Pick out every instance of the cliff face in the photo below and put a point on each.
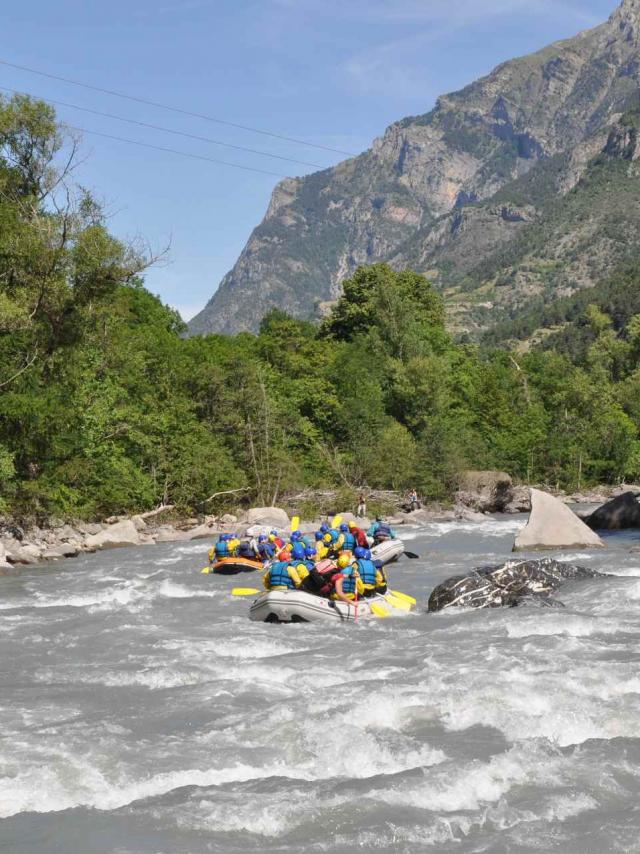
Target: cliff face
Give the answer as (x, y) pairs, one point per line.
(448, 191)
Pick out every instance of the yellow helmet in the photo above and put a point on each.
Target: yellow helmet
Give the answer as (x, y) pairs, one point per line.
(344, 561)
(272, 538)
(326, 538)
(352, 524)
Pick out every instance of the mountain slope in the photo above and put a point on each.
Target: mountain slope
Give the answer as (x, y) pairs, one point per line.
(444, 190)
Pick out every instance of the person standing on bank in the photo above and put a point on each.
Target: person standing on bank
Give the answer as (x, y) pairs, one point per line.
(362, 506)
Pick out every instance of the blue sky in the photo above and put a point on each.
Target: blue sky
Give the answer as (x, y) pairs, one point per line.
(333, 72)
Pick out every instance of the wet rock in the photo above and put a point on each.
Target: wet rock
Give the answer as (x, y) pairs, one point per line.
(168, 534)
(199, 532)
(485, 491)
(618, 514)
(4, 563)
(139, 523)
(552, 525)
(520, 500)
(228, 519)
(508, 584)
(120, 534)
(89, 529)
(26, 553)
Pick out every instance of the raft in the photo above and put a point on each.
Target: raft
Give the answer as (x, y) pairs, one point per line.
(235, 565)
(297, 606)
(387, 551)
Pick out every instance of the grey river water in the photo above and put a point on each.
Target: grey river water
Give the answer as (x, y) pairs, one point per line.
(142, 713)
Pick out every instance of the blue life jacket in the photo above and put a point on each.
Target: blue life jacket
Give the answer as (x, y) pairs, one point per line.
(266, 550)
(383, 532)
(279, 575)
(222, 549)
(246, 550)
(367, 570)
(309, 540)
(335, 533)
(349, 581)
(349, 542)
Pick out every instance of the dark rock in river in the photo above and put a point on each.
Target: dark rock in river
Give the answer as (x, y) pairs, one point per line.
(507, 584)
(617, 514)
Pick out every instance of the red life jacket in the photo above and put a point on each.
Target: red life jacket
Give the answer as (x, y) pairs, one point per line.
(321, 579)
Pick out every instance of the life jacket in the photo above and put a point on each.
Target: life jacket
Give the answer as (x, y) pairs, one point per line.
(279, 575)
(266, 551)
(361, 538)
(321, 577)
(335, 533)
(245, 549)
(222, 549)
(349, 583)
(383, 532)
(349, 543)
(368, 572)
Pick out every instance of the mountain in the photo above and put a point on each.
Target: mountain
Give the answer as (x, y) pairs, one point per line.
(492, 193)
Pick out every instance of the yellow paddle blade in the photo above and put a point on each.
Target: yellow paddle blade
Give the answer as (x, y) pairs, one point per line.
(295, 523)
(244, 591)
(379, 610)
(397, 603)
(206, 570)
(404, 596)
(336, 521)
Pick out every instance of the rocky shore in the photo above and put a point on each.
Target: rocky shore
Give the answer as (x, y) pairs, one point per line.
(479, 494)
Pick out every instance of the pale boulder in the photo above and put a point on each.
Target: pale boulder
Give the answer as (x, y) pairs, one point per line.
(4, 563)
(139, 523)
(273, 517)
(552, 525)
(121, 534)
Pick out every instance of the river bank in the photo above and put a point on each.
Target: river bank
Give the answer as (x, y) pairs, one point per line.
(484, 493)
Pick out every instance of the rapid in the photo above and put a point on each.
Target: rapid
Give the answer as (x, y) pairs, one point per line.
(141, 712)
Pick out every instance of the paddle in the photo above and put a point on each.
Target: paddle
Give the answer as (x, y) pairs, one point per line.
(397, 602)
(295, 523)
(379, 610)
(412, 555)
(245, 591)
(336, 521)
(206, 570)
(404, 596)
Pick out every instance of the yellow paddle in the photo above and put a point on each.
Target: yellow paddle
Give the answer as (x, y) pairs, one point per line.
(396, 602)
(379, 610)
(206, 570)
(295, 523)
(336, 521)
(404, 596)
(245, 591)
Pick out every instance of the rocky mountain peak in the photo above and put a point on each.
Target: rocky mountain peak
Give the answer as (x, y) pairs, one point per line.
(626, 18)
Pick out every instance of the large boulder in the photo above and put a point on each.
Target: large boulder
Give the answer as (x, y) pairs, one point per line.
(121, 534)
(617, 514)
(4, 563)
(485, 491)
(21, 552)
(552, 525)
(273, 517)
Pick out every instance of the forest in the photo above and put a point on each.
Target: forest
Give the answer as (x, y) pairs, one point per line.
(107, 407)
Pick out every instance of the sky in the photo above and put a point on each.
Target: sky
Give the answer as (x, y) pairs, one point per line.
(333, 73)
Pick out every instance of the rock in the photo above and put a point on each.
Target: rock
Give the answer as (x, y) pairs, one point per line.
(24, 553)
(199, 532)
(485, 491)
(168, 534)
(619, 513)
(54, 554)
(228, 519)
(520, 500)
(552, 525)
(120, 534)
(90, 528)
(273, 517)
(138, 523)
(4, 563)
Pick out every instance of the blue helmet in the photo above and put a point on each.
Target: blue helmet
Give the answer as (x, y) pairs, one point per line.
(319, 535)
(295, 536)
(360, 553)
(324, 528)
(368, 555)
(309, 552)
(298, 552)
(344, 527)
(263, 538)
(274, 531)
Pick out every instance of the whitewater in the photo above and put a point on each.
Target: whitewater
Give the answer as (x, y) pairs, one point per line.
(141, 712)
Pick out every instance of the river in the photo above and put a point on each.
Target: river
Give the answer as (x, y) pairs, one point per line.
(141, 712)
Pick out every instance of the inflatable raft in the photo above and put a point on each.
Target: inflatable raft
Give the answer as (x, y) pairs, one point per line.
(235, 565)
(387, 551)
(297, 606)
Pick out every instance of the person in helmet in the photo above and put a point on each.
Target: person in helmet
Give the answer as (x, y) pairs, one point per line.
(221, 549)
(321, 577)
(282, 575)
(234, 542)
(374, 580)
(348, 539)
(275, 538)
(295, 537)
(320, 546)
(347, 584)
(266, 550)
(381, 531)
(248, 549)
(359, 534)
(298, 551)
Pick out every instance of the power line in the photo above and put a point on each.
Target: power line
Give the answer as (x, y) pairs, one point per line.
(173, 109)
(175, 151)
(166, 130)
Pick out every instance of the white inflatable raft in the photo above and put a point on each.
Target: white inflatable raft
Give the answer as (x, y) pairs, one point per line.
(387, 551)
(296, 606)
